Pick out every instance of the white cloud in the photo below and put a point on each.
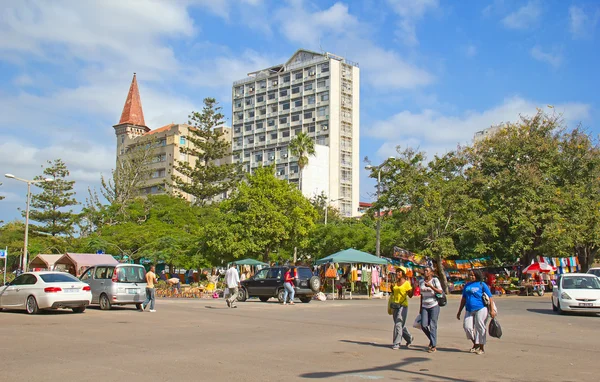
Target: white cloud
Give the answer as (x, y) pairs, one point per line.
(525, 17)
(471, 51)
(582, 23)
(554, 58)
(23, 80)
(410, 12)
(434, 132)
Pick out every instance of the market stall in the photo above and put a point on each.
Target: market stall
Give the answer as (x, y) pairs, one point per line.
(76, 263)
(43, 262)
(353, 270)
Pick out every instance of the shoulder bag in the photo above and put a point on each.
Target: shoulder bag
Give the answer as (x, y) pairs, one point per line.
(484, 296)
(440, 297)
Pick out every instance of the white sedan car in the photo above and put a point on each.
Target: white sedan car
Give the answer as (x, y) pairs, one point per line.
(576, 292)
(34, 291)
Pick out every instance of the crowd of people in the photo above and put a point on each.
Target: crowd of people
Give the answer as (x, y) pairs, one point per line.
(476, 301)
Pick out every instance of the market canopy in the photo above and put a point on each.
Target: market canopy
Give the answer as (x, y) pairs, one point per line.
(44, 261)
(76, 263)
(352, 256)
(249, 262)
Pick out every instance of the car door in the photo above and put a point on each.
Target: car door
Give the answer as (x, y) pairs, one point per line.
(88, 277)
(27, 288)
(99, 281)
(256, 285)
(9, 295)
(274, 281)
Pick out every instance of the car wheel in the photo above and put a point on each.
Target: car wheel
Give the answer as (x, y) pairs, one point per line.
(104, 302)
(79, 309)
(264, 299)
(558, 309)
(280, 295)
(305, 300)
(554, 308)
(315, 284)
(242, 295)
(31, 305)
(540, 292)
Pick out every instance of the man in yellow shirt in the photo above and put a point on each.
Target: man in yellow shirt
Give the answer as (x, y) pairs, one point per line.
(398, 308)
(150, 292)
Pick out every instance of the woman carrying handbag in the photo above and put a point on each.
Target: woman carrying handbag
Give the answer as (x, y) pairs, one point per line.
(430, 308)
(398, 308)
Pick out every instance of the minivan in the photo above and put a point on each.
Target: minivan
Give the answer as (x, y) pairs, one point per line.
(121, 284)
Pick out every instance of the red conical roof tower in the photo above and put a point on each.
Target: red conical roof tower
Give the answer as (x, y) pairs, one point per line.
(132, 111)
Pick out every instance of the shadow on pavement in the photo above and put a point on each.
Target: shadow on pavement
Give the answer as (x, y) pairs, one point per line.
(397, 367)
(413, 347)
(543, 311)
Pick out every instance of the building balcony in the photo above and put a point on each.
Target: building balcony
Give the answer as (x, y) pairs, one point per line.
(294, 175)
(259, 104)
(249, 119)
(299, 81)
(322, 118)
(284, 98)
(238, 95)
(322, 103)
(270, 101)
(309, 92)
(261, 90)
(296, 123)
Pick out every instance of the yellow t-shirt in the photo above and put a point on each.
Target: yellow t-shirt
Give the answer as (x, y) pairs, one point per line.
(400, 294)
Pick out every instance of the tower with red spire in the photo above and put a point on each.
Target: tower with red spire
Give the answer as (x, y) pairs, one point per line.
(131, 124)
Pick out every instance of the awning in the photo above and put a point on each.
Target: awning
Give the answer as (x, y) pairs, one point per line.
(44, 261)
(76, 263)
(249, 262)
(352, 256)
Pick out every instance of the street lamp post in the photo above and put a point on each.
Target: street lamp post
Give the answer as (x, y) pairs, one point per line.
(378, 222)
(327, 207)
(25, 242)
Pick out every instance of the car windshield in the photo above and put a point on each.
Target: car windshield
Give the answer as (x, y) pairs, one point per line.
(131, 274)
(304, 273)
(58, 278)
(595, 272)
(580, 282)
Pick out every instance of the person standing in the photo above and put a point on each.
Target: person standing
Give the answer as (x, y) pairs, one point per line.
(232, 278)
(476, 314)
(430, 309)
(150, 292)
(288, 285)
(398, 308)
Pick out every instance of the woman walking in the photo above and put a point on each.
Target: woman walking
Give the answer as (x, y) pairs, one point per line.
(398, 308)
(477, 310)
(288, 285)
(430, 309)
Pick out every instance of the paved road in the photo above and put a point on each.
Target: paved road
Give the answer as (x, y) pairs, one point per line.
(203, 340)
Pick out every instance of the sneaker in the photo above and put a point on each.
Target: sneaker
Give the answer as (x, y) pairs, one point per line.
(473, 350)
(228, 303)
(395, 347)
(152, 311)
(408, 343)
(283, 303)
(142, 308)
(234, 306)
(479, 352)
(431, 350)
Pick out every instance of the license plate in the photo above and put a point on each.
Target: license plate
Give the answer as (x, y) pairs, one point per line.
(586, 304)
(71, 290)
(304, 284)
(133, 291)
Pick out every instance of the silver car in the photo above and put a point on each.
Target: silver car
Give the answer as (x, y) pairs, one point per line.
(121, 284)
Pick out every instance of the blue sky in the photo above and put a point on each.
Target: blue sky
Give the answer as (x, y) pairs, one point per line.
(433, 72)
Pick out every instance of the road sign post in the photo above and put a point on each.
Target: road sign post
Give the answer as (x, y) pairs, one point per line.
(4, 253)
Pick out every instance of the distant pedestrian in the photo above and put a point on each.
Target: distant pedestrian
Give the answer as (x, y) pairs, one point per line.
(150, 291)
(232, 278)
(175, 284)
(477, 312)
(163, 276)
(288, 285)
(398, 308)
(430, 309)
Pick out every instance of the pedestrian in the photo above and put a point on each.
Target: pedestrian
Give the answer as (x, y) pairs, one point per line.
(476, 310)
(232, 278)
(175, 284)
(150, 292)
(430, 309)
(163, 276)
(398, 308)
(288, 285)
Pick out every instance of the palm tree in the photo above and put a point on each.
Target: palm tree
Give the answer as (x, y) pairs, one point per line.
(302, 146)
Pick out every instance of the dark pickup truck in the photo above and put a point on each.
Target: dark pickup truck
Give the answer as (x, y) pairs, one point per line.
(268, 283)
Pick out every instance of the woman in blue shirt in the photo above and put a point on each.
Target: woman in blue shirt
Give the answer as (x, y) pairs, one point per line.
(477, 312)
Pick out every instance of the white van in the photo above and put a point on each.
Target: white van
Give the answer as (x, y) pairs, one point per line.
(121, 284)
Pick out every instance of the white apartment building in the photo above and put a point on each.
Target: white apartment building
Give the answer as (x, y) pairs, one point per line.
(315, 93)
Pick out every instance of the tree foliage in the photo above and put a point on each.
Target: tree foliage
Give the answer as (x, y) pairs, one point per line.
(48, 207)
(207, 175)
(302, 146)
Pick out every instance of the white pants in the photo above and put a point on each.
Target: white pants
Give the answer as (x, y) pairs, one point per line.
(474, 325)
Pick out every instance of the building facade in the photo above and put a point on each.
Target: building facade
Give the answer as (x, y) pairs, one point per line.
(163, 144)
(314, 93)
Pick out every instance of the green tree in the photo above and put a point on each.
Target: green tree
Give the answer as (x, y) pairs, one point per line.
(336, 236)
(48, 207)
(264, 217)
(302, 146)
(208, 175)
(1, 197)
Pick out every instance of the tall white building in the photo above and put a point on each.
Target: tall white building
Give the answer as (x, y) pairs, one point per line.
(315, 93)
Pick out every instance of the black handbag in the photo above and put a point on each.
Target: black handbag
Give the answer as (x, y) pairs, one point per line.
(440, 297)
(495, 329)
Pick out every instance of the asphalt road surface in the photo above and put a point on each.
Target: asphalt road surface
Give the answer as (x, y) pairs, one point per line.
(203, 340)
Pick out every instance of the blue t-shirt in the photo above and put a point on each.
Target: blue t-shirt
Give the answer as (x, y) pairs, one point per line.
(473, 294)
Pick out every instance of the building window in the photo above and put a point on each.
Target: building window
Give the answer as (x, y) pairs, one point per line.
(285, 134)
(258, 157)
(285, 106)
(259, 125)
(296, 90)
(159, 158)
(272, 95)
(260, 98)
(261, 138)
(324, 96)
(311, 128)
(298, 102)
(308, 114)
(262, 111)
(286, 78)
(321, 84)
(322, 111)
(248, 127)
(273, 135)
(297, 131)
(182, 140)
(271, 122)
(283, 93)
(122, 139)
(311, 100)
(325, 68)
(158, 173)
(283, 120)
(162, 142)
(308, 86)
(295, 117)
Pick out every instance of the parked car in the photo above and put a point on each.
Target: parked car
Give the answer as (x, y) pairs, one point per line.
(268, 282)
(594, 271)
(35, 291)
(576, 292)
(121, 284)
